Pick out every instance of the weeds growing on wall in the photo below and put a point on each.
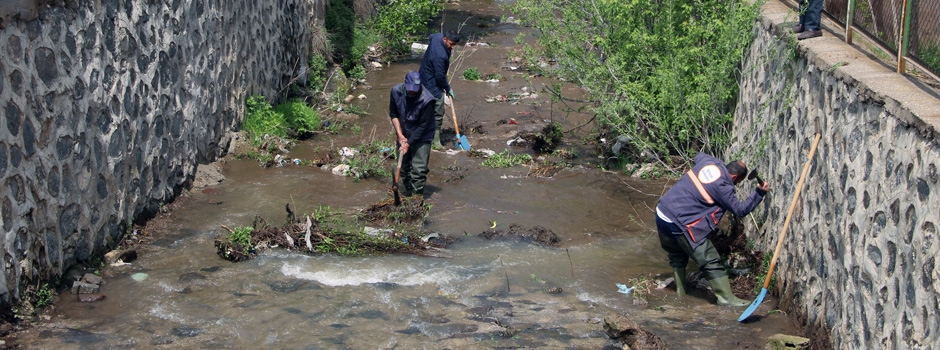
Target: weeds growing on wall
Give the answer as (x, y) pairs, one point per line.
(661, 72)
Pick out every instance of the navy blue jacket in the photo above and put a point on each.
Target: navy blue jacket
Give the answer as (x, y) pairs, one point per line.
(415, 114)
(435, 65)
(697, 213)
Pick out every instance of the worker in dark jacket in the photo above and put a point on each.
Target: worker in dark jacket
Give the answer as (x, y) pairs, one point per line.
(433, 70)
(690, 211)
(411, 108)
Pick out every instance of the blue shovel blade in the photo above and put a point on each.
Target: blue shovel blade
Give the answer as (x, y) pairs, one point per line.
(754, 305)
(462, 143)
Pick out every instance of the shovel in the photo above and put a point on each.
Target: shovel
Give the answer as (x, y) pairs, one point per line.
(783, 232)
(461, 141)
(395, 186)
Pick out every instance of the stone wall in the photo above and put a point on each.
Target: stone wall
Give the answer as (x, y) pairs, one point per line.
(108, 106)
(859, 258)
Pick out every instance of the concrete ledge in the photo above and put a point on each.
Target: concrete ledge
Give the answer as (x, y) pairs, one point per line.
(831, 53)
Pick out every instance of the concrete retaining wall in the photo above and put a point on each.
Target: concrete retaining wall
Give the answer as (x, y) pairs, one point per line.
(108, 106)
(860, 254)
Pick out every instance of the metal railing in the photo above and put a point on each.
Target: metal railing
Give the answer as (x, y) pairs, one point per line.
(908, 29)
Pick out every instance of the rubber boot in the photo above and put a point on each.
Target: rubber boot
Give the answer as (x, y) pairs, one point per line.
(436, 143)
(679, 275)
(722, 288)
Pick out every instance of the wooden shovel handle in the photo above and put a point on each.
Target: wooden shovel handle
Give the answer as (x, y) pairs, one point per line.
(454, 114)
(786, 223)
(398, 169)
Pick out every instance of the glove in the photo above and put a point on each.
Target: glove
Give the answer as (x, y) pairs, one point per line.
(451, 93)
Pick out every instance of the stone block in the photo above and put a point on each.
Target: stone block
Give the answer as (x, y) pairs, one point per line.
(787, 342)
(127, 255)
(79, 287)
(91, 278)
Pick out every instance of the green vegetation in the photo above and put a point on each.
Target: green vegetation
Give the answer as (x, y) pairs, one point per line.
(261, 120)
(316, 78)
(241, 236)
(292, 118)
(44, 296)
(399, 20)
(471, 74)
(369, 161)
(930, 55)
(506, 159)
(299, 117)
(661, 72)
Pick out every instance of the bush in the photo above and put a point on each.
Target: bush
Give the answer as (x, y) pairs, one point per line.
(401, 19)
(357, 72)
(299, 118)
(316, 79)
(661, 72)
(261, 120)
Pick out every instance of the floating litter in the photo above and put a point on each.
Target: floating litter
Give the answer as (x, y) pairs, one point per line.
(139, 277)
(622, 288)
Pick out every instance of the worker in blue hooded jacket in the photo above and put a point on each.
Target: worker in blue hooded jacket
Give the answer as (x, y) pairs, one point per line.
(433, 70)
(411, 108)
(690, 211)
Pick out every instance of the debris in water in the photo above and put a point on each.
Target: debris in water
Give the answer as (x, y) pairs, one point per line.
(139, 277)
(622, 288)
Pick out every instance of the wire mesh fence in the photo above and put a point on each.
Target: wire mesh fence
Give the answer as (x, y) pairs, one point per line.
(884, 21)
(925, 34)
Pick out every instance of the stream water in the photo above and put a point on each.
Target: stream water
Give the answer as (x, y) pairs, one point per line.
(488, 294)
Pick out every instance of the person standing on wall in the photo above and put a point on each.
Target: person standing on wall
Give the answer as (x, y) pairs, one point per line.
(411, 108)
(810, 19)
(690, 211)
(433, 70)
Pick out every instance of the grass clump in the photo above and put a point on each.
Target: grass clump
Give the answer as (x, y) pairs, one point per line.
(471, 74)
(506, 159)
(262, 120)
(300, 119)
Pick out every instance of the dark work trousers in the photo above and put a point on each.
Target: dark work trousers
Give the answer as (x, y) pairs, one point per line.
(414, 168)
(439, 112)
(811, 14)
(679, 250)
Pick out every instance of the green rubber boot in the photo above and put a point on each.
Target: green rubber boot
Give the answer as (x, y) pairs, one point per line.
(722, 288)
(436, 143)
(679, 275)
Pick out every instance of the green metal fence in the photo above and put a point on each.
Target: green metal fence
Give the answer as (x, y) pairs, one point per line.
(909, 29)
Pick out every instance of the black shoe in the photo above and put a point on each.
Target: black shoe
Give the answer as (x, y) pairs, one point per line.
(797, 28)
(809, 34)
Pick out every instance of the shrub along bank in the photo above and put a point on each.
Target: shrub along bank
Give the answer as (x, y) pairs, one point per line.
(662, 73)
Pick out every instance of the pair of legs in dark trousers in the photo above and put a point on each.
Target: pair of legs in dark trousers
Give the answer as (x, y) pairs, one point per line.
(414, 168)
(705, 255)
(679, 250)
(811, 14)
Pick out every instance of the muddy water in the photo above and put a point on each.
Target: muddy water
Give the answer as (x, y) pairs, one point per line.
(486, 295)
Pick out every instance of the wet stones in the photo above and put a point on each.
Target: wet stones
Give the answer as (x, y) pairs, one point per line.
(126, 255)
(537, 234)
(632, 336)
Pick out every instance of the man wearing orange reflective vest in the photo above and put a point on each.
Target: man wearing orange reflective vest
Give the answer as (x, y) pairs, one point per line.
(690, 211)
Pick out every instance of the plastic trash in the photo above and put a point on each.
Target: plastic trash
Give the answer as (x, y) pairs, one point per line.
(622, 289)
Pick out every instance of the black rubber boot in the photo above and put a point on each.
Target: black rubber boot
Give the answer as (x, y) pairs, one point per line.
(722, 288)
